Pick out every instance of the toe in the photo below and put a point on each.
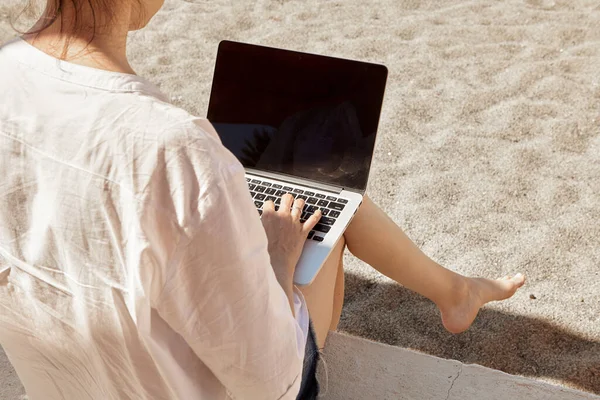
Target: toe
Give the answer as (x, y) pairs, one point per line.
(506, 287)
(518, 279)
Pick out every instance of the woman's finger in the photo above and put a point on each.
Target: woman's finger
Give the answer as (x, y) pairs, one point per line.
(297, 208)
(268, 206)
(286, 203)
(312, 221)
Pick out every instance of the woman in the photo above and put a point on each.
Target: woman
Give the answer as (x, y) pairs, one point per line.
(132, 262)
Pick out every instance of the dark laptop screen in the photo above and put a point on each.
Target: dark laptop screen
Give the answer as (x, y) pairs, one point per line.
(304, 115)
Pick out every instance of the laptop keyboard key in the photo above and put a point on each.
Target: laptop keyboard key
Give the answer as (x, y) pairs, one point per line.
(327, 212)
(311, 234)
(258, 204)
(268, 184)
(260, 196)
(306, 192)
(333, 214)
(319, 196)
(301, 196)
(298, 191)
(343, 201)
(322, 203)
(288, 189)
(255, 181)
(311, 209)
(251, 187)
(322, 228)
(336, 206)
(272, 198)
(312, 200)
(260, 189)
(331, 198)
(327, 221)
(318, 238)
(270, 191)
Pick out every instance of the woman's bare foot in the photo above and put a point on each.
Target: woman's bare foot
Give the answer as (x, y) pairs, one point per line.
(459, 313)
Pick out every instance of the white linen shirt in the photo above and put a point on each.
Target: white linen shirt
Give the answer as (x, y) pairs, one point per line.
(133, 264)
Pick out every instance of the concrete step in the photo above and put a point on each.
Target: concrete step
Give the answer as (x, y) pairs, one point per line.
(361, 369)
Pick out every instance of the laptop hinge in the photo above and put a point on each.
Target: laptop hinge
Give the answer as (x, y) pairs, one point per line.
(297, 181)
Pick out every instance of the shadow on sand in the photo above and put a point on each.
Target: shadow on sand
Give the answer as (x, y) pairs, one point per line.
(519, 345)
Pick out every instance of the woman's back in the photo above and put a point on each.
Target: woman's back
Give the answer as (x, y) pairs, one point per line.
(101, 184)
(72, 173)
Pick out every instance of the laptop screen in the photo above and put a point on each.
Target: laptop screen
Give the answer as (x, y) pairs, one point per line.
(297, 114)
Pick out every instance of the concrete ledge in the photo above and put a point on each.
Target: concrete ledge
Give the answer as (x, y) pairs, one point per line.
(362, 369)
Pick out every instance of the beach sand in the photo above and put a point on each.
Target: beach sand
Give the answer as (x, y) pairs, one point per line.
(488, 156)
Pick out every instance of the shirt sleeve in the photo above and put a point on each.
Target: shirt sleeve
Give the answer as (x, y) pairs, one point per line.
(218, 289)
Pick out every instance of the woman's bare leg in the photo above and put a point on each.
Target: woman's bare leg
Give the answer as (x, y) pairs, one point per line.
(323, 294)
(374, 238)
(338, 296)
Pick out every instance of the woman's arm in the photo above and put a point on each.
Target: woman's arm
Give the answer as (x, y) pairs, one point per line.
(219, 290)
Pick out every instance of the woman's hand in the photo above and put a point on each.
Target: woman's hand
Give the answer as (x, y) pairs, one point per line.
(286, 234)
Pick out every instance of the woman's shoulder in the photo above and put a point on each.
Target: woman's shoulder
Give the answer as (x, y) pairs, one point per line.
(177, 131)
(173, 126)
(165, 147)
(183, 141)
(189, 166)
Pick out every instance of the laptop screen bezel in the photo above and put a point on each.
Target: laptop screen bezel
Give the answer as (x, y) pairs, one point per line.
(380, 72)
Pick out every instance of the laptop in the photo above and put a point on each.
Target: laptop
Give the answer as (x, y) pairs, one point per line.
(303, 124)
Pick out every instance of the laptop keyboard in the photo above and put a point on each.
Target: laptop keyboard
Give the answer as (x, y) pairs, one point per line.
(330, 206)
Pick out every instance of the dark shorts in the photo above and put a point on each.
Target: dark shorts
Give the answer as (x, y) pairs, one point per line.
(309, 389)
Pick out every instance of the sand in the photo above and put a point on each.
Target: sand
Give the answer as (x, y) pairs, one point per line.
(488, 156)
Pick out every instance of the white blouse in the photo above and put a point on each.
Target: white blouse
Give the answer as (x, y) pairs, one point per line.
(133, 264)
